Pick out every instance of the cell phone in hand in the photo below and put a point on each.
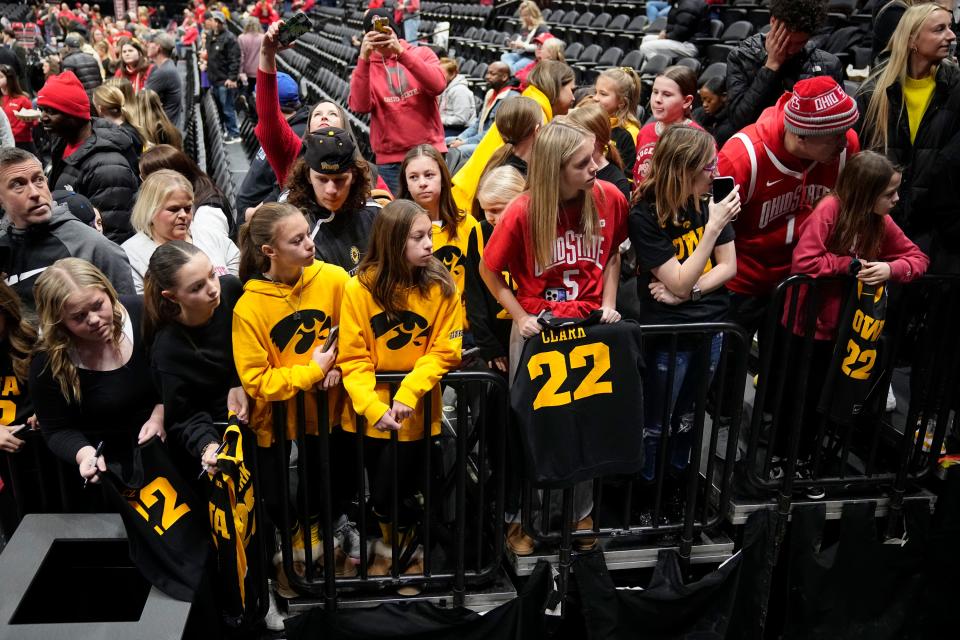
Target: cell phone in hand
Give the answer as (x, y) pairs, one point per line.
(293, 28)
(722, 187)
(331, 338)
(13, 428)
(381, 24)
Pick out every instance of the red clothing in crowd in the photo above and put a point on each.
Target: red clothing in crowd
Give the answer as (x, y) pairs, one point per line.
(265, 12)
(22, 131)
(574, 281)
(777, 193)
(811, 257)
(375, 4)
(400, 94)
(190, 35)
(646, 143)
(281, 145)
(138, 78)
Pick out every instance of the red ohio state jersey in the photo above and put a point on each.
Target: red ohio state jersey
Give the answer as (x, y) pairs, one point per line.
(777, 193)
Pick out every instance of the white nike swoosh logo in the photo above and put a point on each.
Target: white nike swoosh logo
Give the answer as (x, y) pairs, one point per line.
(14, 279)
(770, 183)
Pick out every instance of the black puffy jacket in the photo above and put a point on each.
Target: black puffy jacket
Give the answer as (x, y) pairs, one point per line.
(752, 87)
(930, 190)
(86, 68)
(223, 57)
(688, 18)
(103, 168)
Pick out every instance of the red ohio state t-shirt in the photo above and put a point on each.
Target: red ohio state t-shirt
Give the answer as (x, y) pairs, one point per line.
(572, 285)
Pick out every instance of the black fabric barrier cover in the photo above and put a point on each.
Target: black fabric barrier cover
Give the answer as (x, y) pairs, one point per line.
(519, 619)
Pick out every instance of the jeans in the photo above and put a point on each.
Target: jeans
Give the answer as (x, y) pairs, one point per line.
(686, 381)
(411, 27)
(391, 175)
(516, 61)
(227, 98)
(656, 9)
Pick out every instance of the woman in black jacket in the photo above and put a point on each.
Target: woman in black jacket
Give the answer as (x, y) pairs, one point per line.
(906, 113)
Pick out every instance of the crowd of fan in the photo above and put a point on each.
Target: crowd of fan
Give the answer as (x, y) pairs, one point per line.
(116, 242)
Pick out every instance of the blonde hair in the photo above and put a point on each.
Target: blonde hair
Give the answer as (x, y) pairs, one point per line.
(110, 100)
(894, 71)
(500, 186)
(51, 291)
(553, 49)
(450, 66)
(629, 87)
(154, 192)
(154, 121)
(531, 7)
(552, 150)
(252, 25)
(680, 155)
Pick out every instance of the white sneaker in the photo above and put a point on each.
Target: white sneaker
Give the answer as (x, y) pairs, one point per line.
(891, 400)
(274, 618)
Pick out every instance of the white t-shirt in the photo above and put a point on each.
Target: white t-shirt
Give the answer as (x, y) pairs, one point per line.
(223, 254)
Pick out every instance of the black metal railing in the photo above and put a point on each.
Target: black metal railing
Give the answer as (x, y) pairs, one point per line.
(461, 503)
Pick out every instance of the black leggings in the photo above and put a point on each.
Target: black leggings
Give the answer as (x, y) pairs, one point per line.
(409, 479)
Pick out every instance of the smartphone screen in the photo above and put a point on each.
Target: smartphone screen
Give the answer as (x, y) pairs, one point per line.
(331, 338)
(722, 187)
(293, 28)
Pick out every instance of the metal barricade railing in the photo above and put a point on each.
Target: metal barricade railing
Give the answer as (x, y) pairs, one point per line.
(871, 451)
(698, 509)
(473, 432)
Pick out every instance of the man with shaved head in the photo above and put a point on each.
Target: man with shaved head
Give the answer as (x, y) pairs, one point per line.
(498, 79)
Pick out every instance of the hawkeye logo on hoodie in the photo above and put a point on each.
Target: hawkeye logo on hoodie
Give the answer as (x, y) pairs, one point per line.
(452, 257)
(305, 327)
(408, 327)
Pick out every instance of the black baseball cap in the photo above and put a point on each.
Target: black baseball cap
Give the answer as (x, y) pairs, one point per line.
(329, 150)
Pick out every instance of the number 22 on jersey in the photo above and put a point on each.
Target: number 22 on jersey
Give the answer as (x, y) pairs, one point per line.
(554, 363)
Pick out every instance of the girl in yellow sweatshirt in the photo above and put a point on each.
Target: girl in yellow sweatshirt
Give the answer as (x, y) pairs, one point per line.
(400, 313)
(291, 302)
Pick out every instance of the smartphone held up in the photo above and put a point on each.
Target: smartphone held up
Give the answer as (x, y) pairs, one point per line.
(293, 28)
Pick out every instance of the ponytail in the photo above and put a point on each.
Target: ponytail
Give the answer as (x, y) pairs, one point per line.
(258, 231)
(162, 274)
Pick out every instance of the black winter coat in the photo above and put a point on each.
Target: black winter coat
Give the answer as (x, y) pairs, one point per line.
(85, 67)
(751, 87)
(104, 169)
(687, 19)
(930, 188)
(223, 58)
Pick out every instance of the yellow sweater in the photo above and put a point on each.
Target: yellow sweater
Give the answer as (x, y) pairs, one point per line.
(425, 342)
(467, 180)
(917, 95)
(453, 252)
(272, 347)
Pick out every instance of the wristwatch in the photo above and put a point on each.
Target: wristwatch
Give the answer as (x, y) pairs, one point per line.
(695, 293)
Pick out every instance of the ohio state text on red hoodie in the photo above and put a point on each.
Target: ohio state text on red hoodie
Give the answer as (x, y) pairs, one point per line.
(400, 94)
(777, 191)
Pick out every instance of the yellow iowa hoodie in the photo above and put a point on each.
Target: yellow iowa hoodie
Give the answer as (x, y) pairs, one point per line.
(275, 329)
(425, 341)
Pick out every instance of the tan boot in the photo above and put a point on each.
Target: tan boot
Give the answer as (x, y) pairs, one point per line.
(284, 590)
(585, 544)
(344, 567)
(415, 568)
(382, 560)
(517, 541)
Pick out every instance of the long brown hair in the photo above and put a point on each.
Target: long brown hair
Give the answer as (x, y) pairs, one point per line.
(450, 215)
(205, 190)
(13, 82)
(51, 291)
(592, 117)
(385, 271)
(162, 274)
(516, 120)
(550, 77)
(681, 154)
(858, 229)
(21, 337)
(154, 121)
(258, 231)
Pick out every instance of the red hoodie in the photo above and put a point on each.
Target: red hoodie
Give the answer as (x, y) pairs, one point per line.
(403, 107)
(777, 192)
(811, 256)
